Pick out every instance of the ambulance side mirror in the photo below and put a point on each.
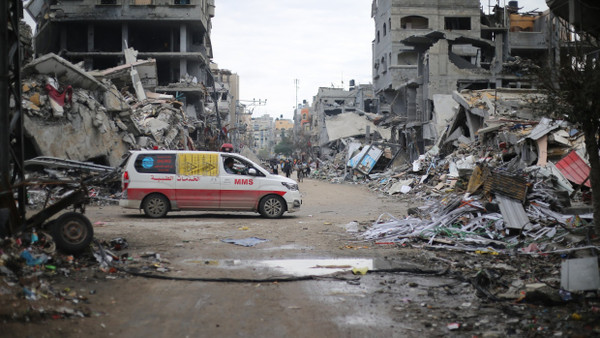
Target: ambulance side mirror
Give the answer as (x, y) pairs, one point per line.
(252, 172)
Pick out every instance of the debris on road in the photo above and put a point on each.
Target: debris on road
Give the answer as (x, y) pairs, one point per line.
(500, 190)
(250, 241)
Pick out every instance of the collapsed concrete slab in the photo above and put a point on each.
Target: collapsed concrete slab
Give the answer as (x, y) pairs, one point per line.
(349, 125)
(84, 132)
(63, 70)
(121, 76)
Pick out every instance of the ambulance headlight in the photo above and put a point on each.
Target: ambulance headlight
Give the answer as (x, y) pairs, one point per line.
(290, 186)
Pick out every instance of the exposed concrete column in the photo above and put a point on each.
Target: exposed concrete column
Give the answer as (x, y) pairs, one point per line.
(183, 48)
(88, 62)
(124, 35)
(63, 37)
(171, 40)
(498, 57)
(90, 37)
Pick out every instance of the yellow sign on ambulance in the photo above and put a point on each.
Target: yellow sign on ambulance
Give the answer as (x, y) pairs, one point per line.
(200, 164)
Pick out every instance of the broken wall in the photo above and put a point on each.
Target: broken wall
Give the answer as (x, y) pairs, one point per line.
(83, 132)
(444, 75)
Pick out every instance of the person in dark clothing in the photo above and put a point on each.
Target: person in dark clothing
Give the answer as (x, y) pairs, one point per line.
(287, 168)
(229, 166)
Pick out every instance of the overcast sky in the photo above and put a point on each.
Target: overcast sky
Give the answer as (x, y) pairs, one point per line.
(270, 43)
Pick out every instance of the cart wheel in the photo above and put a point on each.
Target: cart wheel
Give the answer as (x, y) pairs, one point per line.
(272, 206)
(72, 232)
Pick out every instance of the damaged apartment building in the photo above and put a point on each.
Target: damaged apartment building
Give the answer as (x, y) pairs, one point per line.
(176, 33)
(335, 115)
(423, 51)
(160, 50)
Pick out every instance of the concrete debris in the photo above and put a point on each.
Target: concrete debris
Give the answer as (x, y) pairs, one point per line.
(79, 115)
(349, 125)
(65, 72)
(488, 182)
(580, 274)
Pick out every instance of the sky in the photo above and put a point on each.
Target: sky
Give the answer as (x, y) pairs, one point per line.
(320, 43)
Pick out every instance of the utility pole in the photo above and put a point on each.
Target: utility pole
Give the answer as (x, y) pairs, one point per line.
(296, 120)
(296, 83)
(244, 104)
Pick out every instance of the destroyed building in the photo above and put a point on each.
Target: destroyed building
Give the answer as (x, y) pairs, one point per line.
(155, 85)
(336, 114)
(423, 51)
(174, 32)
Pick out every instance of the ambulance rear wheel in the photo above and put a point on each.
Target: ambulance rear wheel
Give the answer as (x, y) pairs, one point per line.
(156, 206)
(272, 206)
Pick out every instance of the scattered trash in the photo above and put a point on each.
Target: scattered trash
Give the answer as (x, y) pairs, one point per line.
(34, 261)
(119, 244)
(351, 227)
(250, 241)
(453, 326)
(360, 271)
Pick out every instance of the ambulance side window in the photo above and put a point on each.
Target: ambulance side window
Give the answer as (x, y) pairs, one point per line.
(155, 163)
(248, 165)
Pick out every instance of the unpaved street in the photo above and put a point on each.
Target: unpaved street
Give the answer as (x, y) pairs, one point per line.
(310, 242)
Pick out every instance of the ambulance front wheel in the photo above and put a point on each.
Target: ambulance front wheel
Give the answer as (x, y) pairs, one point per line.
(156, 206)
(272, 206)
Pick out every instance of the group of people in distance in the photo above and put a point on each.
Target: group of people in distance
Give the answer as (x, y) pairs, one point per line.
(301, 168)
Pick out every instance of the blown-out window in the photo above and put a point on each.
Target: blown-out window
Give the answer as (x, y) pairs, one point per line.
(457, 23)
(414, 22)
(407, 58)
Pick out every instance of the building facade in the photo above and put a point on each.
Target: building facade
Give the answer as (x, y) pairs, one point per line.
(264, 133)
(424, 50)
(174, 32)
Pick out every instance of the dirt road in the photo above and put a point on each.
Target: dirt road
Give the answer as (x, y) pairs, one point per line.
(310, 242)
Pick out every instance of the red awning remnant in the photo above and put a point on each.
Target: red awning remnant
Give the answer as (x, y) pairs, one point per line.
(574, 168)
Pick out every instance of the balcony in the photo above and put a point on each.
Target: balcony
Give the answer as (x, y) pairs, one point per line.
(139, 10)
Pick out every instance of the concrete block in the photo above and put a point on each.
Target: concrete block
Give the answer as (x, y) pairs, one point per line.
(580, 274)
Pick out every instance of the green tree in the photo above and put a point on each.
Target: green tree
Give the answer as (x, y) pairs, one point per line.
(284, 147)
(263, 154)
(573, 94)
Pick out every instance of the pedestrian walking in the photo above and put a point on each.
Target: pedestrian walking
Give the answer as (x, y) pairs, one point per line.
(287, 168)
(299, 171)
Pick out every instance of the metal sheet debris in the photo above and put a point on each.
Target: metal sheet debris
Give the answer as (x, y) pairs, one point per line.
(513, 213)
(575, 169)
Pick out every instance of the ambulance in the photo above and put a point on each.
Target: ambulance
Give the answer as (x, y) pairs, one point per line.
(160, 181)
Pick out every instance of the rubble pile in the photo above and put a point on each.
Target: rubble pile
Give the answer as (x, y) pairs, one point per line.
(79, 115)
(160, 123)
(498, 178)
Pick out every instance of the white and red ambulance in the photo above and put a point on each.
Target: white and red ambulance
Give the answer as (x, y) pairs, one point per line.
(159, 181)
